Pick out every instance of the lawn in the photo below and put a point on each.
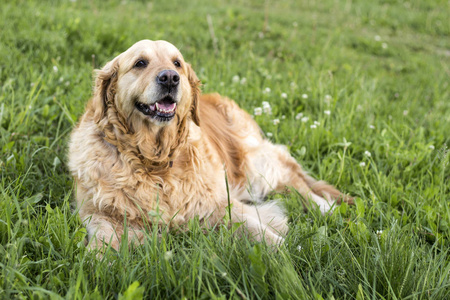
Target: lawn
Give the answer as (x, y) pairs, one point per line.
(361, 92)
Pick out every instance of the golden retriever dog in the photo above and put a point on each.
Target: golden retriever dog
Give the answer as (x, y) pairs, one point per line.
(150, 142)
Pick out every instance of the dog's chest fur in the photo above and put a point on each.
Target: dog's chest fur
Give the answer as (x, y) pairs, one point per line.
(193, 186)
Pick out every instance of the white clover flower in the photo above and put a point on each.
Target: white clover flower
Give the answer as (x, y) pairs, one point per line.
(236, 79)
(305, 119)
(313, 126)
(299, 116)
(405, 112)
(327, 112)
(266, 107)
(266, 90)
(431, 147)
(305, 96)
(371, 127)
(377, 38)
(243, 80)
(299, 248)
(316, 123)
(367, 153)
(168, 255)
(328, 98)
(269, 134)
(55, 69)
(384, 45)
(362, 164)
(257, 111)
(283, 117)
(284, 95)
(379, 232)
(276, 121)
(61, 79)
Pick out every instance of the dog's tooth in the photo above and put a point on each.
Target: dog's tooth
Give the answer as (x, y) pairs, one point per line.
(164, 110)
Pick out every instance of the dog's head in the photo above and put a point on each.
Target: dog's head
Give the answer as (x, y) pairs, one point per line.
(149, 84)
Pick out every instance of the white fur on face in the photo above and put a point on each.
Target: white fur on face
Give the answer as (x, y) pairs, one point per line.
(139, 85)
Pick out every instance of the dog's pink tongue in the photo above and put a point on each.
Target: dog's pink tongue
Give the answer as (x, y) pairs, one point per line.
(166, 105)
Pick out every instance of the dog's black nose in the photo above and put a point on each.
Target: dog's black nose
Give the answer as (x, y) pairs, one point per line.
(168, 78)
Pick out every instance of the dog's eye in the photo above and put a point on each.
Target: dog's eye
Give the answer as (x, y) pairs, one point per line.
(141, 63)
(177, 64)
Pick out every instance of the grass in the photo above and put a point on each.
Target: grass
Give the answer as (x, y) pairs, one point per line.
(385, 66)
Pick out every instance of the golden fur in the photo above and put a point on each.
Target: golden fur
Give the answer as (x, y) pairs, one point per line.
(127, 164)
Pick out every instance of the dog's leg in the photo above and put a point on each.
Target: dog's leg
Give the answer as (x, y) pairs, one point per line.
(102, 231)
(264, 222)
(271, 167)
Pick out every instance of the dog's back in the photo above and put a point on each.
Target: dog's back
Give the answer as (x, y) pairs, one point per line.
(227, 127)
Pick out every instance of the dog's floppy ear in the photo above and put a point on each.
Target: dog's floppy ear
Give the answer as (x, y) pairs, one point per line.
(195, 87)
(105, 88)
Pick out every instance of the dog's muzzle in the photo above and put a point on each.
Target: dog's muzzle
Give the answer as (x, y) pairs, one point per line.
(163, 110)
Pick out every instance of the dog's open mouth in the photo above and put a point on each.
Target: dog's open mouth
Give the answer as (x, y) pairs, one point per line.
(162, 110)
